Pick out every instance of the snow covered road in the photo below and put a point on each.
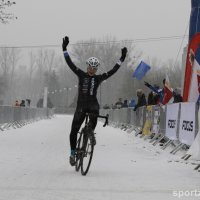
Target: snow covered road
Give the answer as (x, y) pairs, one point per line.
(34, 166)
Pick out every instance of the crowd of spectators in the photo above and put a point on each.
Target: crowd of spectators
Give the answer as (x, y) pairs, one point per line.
(40, 103)
(23, 103)
(27, 103)
(156, 96)
(120, 104)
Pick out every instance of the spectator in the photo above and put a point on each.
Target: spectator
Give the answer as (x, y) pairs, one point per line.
(132, 103)
(22, 104)
(17, 104)
(40, 103)
(119, 103)
(153, 97)
(158, 94)
(49, 103)
(113, 106)
(28, 102)
(106, 106)
(141, 99)
(156, 98)
(177, 95)
(150, 100)
(125, 104)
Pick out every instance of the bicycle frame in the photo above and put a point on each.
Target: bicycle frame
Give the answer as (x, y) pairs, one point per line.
(84, 144)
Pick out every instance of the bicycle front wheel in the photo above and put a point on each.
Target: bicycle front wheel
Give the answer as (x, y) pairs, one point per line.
(79, 152)
(87, 155)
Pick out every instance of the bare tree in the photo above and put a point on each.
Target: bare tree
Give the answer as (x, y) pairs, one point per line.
(5, 68)
(174, 73)
(50, 61)
(4, 57)
(5, 17)
(108, 53)
(32, 68)
(22, 82)
(41, 63)
(67, 80)
(14, 58)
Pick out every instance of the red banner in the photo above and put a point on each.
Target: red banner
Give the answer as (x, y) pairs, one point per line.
(193, 46)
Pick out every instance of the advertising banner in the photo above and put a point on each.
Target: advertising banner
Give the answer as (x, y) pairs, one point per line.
(187, 123)
(172, 121)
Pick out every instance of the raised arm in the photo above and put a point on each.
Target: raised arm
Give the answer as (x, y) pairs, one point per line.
(116, 67)
(71, 65)
(151, 87)
(157, 91)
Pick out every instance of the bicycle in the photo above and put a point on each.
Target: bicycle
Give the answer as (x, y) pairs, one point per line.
(85, 145)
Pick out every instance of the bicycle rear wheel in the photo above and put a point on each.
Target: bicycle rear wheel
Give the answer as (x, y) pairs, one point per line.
(79, 152)
(87, 155)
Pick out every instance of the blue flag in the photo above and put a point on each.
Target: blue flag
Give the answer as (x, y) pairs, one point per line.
(141, 70)
(197, 55)
(194, 18)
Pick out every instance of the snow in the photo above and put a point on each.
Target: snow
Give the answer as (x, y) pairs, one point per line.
(34, 166)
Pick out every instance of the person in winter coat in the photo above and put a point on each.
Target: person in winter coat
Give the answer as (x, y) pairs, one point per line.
(22, 104)
(177, 96)
(141, 99)
(119, 103)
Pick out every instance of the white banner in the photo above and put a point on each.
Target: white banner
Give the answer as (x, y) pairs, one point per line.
(187, 123)
(172, 121)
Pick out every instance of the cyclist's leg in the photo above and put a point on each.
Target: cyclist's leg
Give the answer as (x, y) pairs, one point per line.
(76, 124)
(78, 119)
(94, 108)
(93, 120)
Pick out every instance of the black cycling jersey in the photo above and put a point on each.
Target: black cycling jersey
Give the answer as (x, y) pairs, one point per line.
(87, 100)
(88, 85)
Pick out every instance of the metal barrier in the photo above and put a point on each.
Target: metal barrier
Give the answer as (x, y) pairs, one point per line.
(64, 110)
(16, 117)
(187, 123)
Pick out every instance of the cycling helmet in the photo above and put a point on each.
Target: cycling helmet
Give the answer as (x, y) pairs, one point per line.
(93, 62)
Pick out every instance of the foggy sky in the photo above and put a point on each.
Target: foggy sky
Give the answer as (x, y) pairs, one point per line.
(44, 22)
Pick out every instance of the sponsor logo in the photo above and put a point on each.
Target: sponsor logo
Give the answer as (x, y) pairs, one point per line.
(92, 87)
(187, 125)
(171, 123)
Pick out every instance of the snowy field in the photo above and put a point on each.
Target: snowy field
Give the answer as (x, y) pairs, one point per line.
(34, 166)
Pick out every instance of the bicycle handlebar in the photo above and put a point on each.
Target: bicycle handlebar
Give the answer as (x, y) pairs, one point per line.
(106, 119)
(100, 116)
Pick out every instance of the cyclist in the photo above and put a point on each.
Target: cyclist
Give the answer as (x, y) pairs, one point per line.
(88, 85)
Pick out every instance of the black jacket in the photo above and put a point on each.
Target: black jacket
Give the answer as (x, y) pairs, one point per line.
(177, 98)
(141, 102)
(88, 85)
